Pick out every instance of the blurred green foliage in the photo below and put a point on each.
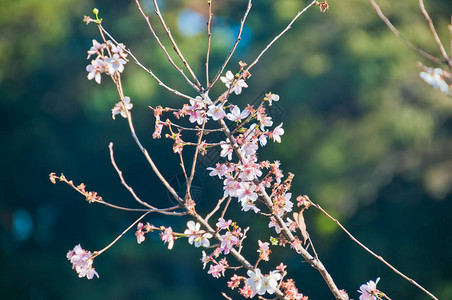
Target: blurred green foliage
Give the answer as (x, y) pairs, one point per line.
(366, 138)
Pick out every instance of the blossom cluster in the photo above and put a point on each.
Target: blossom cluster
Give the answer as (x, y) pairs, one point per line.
(230, 235)
(369, 290)
(110, 58)
(82, 262)
(439, 79)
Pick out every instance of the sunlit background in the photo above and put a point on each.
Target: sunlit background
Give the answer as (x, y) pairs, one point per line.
(365, 136)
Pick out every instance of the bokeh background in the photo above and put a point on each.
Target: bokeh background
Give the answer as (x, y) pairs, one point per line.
(365, 136)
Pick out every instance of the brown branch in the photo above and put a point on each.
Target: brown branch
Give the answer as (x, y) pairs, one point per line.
(399, 35)
(373, 253)
(198, 86)
(239, 37)
(144, 151)
(313, 261)
(279, 35)
(434, 33)
(166, 211)
(137, 62)
(163, 47)
(97, 253)
(209, 37)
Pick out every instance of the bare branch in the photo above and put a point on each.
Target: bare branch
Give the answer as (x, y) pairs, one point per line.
(279, 35)
(373, 253)
(209, 37)
(144, 68)
(434, 33)
(198, 87)
(239, 37)
(399, 35)
(166, 211)
(97, 253)
(163, 47)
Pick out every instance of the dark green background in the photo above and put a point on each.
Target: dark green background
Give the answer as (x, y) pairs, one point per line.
(366, 138)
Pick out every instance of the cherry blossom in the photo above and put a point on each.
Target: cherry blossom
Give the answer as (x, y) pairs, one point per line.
(271, 97)
(218, 270)
(235, 115)
(196, 235)
(277, 133)
(222, 224)
(247, 192)
(236, 87)
(140, 234)
(231, 187)
(167, 236)
(216, 112)
(270, 283)
(82, 262)
(255, 280)
(228, 240)
(121, 108)
(435, 77)
(226, 150)
(369, 290)
(95, 69)
(95, 49)
(196, 111)
(115, 63)
(264, 250)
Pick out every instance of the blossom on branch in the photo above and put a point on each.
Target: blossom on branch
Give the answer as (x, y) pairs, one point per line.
(82, 262)
(369, 290)
(196, 235)
(216, 112)
(95, 69)
(167, 236)
(235, 86)
(121, 108)
(437, 78)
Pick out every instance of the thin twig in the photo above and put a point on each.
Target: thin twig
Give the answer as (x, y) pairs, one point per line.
(167, 211)
(239, 37)
(123, 182)
(217, 207)
(198, 87)
(373, 253)
(97, 253)
(163, 47)
(279, 35)
(434, 33)
(146, 153)
(399, 35)
(137, 62)
(209, 37)
(195, 156)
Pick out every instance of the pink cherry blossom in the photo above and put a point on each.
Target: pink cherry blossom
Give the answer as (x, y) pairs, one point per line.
(226, 150)
(167, 236)
(95, 69)
(277, 133)
(235, 87)
(369, 290)
(121, 108)
(222, 224)
(196, 235)
(228, 240)
(82, 262)
(235, 114)
(95, 49)
(216, 112)
(115, 63)
(271, 97)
